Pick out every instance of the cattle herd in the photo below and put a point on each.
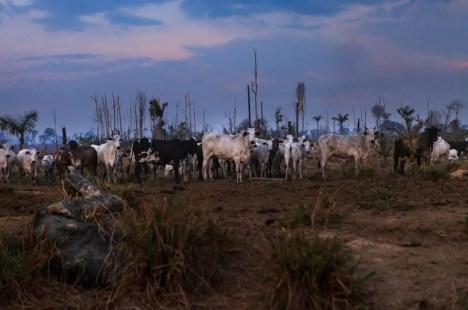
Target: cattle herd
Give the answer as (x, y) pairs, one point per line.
(217, 153)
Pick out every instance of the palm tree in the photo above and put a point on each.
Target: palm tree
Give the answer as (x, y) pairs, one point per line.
(156, 110)
(341, 119)
(317, 119)
(20, 125)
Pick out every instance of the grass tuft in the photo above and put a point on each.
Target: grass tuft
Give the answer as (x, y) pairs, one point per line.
(167, 253)
(321, 213)
(435, 173)
(311, 273)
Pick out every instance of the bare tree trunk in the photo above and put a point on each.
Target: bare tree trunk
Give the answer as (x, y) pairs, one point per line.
(95, 98)
(141, 100)
(255, 86)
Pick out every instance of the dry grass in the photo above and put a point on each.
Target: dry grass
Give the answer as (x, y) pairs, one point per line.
(321, 213)
(166, 254)
(311, 273)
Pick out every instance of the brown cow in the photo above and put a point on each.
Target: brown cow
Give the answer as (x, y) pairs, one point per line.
(422, 148)
(79, 156)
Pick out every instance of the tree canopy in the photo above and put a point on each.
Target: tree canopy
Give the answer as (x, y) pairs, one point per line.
(19, 125)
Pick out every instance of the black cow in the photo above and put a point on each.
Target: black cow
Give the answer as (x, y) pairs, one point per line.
(422, 148)
(460, 146)
(271, 157)
(162, 152)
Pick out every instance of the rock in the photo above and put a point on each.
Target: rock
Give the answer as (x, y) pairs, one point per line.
(82, 245)
(459, 173)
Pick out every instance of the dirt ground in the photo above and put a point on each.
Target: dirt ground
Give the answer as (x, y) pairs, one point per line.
(412, 233)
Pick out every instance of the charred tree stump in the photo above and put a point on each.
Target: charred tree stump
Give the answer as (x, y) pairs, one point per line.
(75, 227)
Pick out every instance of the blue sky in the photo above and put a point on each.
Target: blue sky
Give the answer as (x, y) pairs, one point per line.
(58, 54)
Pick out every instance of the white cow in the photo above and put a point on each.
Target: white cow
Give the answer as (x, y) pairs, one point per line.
(296, 153)
(4, 154)
(48, 163)
(11, 159)
(227, 147)
(299, 154)
(108, 156)
(358, 146)
(26, 162)
(453, 155)
(440, 151)
(259, 157)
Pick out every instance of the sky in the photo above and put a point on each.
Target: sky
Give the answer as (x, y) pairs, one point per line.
(56, 55)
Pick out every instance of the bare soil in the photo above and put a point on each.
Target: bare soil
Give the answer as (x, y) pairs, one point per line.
(412, 233)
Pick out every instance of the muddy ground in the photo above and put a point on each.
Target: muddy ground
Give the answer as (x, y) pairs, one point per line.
(412, 232)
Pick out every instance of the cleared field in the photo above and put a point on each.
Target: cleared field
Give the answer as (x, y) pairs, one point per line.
(410, 231)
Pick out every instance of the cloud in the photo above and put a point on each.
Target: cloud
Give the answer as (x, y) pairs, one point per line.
(348, 53)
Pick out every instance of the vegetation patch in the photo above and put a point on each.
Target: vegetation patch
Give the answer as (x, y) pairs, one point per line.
(434, 173)
(168, 252)
(321, 213)
(311, 273)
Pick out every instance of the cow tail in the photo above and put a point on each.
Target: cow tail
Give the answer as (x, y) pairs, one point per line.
(132, 158)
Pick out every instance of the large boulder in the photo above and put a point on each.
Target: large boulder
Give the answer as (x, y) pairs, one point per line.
(75, 227)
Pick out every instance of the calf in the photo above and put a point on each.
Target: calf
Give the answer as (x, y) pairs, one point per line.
(259, 159)
(26, 162)
(421, 148)
(48, 163)
(453, 155)
(340, 146)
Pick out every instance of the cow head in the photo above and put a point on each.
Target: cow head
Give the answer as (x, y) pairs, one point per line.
(115, 141)
(306, 146)
(432, 133)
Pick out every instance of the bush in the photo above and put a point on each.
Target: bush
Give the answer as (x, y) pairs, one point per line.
(311, 274)
(321, 213)
(167, 253)
(25, 264)
(435, 172)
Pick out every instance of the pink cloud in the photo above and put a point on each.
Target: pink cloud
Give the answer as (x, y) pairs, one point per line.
(460, 65)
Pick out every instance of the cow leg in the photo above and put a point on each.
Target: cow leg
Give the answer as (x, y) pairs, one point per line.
(356, 166)
(200, 169)
(238, 170)
(323, 163)
(176, 171)
(300, 169)
(138, 171)
(402, 166)
(205, 167)
(395, 162)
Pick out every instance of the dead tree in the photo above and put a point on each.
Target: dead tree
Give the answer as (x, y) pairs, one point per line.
(255, 86)
(300, 105)
(141, 101)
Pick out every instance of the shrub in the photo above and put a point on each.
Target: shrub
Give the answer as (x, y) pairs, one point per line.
(311, 273)
(167, 252)
(366, 171)
(25, 264)
(321, 213)
(435, 172)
